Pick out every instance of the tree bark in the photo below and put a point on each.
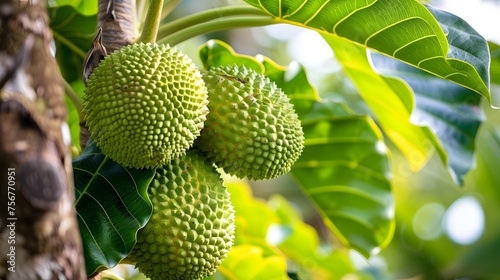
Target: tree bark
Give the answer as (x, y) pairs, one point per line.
(116, 28)
(39, 236)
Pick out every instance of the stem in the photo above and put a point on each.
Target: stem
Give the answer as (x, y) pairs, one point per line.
(77, 101)
(206, 16)
(216, 25)
(152, 22)
(69, 44)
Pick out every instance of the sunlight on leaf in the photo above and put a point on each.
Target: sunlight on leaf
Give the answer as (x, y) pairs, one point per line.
(285, 235)
(452, 112)
(247, 262)
(404, 29)
(300, 243)
(391, 101)
(217, 53)
(495, 62)
(84, 7)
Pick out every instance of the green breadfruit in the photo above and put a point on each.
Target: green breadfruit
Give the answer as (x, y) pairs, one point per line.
(192, 225)
(145, 104)
(252, 129)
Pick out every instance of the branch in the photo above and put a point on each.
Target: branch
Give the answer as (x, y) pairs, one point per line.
(116, 25)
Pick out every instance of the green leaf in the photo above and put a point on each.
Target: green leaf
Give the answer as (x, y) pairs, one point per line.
(391, 101)
(247, 262)
(403, 29)
(452, 112)
(253, 217)
(217, 53)
(300, 243)
(73, 121)
(344, 169)
(465, 45)
(84, 7)
(495, 63)
(73, 116)
(294, 82)
(112, 205)
(73, 35)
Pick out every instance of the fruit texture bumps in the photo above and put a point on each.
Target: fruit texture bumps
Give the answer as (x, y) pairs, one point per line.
(252, 129)
(145, 104)
(192, 225)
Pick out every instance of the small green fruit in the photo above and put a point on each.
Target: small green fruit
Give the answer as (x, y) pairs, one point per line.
(192, 225)
(145, 104)
(252, 129)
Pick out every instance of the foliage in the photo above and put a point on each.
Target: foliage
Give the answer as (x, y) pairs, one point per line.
(427, 130)
(112, 205)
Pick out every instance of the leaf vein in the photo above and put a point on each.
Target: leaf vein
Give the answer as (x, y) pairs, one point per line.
(349, 164)
(107, 216)
(351, 217)
(349, 15)
(411, 42)
(264, 8)
(92, 236)
(345, 189)
(316, 13)
(298, 9)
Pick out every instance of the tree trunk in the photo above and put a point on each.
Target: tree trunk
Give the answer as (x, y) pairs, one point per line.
(39, 236)
(116, 28)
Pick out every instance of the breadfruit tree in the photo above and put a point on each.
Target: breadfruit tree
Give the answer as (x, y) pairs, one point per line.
(165, 140)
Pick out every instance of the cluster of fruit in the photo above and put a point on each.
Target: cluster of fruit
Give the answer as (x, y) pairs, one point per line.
(148, 106)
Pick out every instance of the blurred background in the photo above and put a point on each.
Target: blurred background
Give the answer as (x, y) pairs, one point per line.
(444, 231)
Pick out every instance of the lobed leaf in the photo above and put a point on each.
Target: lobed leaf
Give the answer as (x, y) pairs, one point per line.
(391, 101)
(404, 29)
(345, 170)
(452, 112)
(112, 204)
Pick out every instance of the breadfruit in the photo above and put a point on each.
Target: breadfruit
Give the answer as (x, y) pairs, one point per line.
(252, 129)
(145, 104)
(192, 225)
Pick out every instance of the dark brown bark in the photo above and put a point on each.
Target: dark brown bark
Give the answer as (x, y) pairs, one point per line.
(39, 236)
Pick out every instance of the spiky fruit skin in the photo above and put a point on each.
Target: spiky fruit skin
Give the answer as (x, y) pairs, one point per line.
(252, 129)
(192, 225)
(145, 104)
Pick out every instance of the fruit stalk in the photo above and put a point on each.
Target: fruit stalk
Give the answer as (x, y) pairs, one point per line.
(216, 25)
(150, 29)
(206, 16)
